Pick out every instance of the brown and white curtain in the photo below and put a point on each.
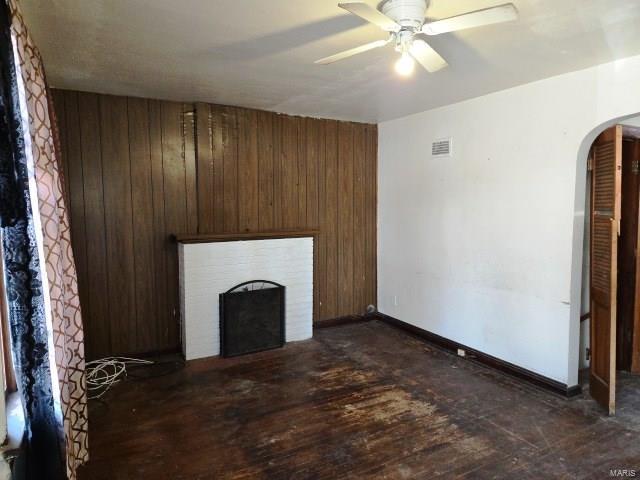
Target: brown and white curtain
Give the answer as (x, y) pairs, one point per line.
(59, 277)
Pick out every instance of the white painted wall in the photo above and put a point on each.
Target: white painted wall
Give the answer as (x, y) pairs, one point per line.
(208, 269)
(585, 296)
(485, 247)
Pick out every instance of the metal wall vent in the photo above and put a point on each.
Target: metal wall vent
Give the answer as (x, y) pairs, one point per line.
(441, 148)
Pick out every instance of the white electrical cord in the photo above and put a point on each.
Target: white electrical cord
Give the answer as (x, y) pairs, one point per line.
(104, 373)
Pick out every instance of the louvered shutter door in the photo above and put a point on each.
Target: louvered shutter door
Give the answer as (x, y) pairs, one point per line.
(605, 221)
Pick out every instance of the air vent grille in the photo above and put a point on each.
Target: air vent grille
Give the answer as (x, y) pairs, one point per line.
(441, 148)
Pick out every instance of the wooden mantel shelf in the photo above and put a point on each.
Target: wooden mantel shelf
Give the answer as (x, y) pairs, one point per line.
(231, 237)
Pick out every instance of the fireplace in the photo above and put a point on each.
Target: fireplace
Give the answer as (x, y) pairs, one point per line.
(212, 264)
(252, 318)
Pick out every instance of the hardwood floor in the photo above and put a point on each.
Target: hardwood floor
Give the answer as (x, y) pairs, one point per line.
(361, 401)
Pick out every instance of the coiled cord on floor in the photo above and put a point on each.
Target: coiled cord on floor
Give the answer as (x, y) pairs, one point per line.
(102, 374)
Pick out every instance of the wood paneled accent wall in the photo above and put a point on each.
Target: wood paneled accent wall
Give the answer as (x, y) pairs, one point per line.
(138, 171)
(129, 170)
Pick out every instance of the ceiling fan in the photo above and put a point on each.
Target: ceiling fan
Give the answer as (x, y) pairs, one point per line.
(405, 21)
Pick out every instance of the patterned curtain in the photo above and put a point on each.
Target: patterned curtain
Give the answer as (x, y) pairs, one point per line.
(23, 273)
(64, 312)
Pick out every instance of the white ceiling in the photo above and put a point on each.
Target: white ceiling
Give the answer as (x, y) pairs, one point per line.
(260, 53)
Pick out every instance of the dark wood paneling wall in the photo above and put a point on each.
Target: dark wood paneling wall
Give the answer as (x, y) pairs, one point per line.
(260, 171)
(129, 169)
(138, 171)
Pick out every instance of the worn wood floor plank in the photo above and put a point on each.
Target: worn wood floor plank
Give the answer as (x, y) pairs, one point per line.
(360, 401)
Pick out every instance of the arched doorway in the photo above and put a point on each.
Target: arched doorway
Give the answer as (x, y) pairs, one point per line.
(609, 331)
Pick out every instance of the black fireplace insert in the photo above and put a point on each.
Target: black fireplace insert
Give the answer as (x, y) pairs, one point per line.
(252, 318)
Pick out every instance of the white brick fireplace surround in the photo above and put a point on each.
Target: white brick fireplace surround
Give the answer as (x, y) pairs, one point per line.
(209, 266)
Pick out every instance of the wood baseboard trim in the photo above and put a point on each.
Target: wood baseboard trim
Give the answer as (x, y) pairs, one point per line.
(346, 320)
(485, 359)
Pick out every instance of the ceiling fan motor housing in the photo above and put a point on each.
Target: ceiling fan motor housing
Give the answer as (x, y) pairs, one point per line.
(408, 14)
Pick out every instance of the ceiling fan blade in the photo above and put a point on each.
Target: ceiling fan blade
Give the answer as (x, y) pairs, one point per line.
(371, 15)
(426, 56)
(351, 52)
(479, 18)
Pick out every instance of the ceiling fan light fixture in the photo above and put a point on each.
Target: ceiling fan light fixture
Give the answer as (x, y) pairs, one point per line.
(405, 65)
(404, 22)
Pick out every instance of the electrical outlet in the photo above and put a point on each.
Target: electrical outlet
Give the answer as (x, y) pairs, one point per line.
(462, 353)
(395, 300)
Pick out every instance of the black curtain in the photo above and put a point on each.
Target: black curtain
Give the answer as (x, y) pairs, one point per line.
(29, 336)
